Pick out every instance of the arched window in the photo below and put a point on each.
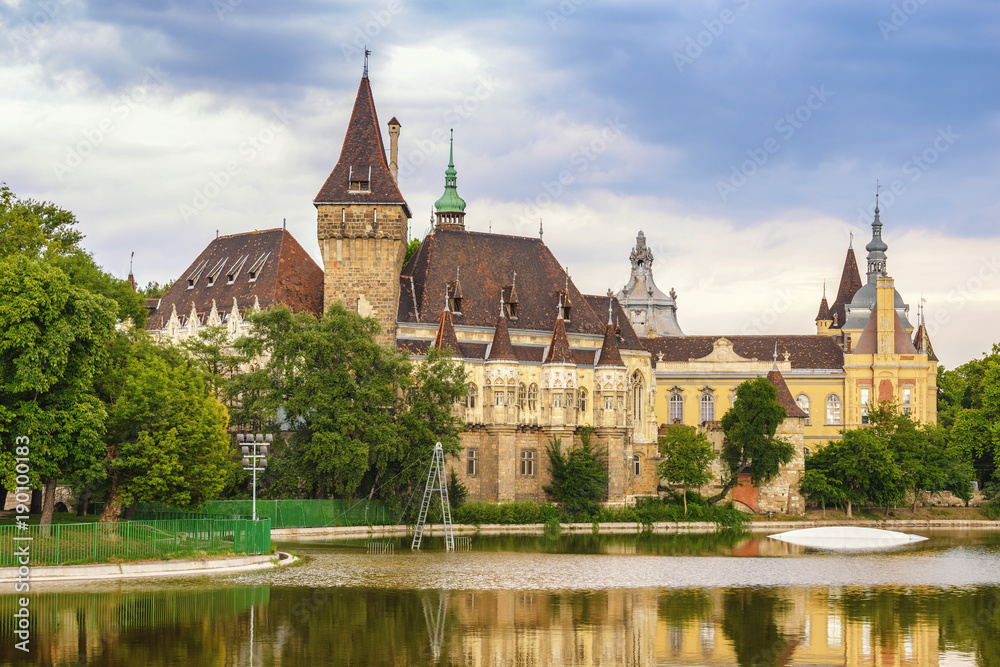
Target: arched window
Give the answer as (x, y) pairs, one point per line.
(803, 402)
(637, 465)
(833, 410)
(676, 409)
(707, 408)
(533, 396)
(635, 388)
(583, 400)
(522, 394)
(470, 396)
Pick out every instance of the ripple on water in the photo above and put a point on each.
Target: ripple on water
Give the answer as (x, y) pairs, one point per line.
(537, 571)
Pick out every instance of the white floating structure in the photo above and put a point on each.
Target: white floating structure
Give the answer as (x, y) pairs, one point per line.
(846, 538)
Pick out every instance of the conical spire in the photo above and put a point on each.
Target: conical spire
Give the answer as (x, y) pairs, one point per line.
(446, 336)
(559, 352)
(362, 174)
(610, 352)
(876, 248)
(850, 283)
(784, 397)
(501, 349)
(824, 309)
(450, 207)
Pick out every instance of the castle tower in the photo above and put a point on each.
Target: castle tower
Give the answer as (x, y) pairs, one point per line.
(450, 208)
(651, 312)
(362, 222)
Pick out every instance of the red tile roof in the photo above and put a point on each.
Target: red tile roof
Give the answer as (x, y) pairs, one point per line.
(363, 154)
(850, 282)
(784, 397)
(559, 352)
(485, 264)
(824, 311)
(610, 355)
(283, 271)
(627, 338)
(821, 352)
(868, 343)
(501, 349)
(446, 337)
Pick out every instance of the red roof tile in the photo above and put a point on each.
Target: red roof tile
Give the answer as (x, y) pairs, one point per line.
(804, 351)
(824, 311)
(784, 397)
(559, 352)
(610, 356)
(501, 349)
(363, 154)
(850, 282)
(446, 337)
(868, 342)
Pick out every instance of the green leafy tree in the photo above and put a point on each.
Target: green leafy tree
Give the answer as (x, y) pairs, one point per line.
(53, 339)
(412, 246)
(212, 352)
(750, 445)
(579, 477)
(166, 440)
(976, 430)
(687, 458)
(861, 469)
(361, 416)
(38, 230)
(815, 487)
(458, 492)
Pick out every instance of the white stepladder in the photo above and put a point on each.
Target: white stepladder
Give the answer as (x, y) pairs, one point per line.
(436, 482)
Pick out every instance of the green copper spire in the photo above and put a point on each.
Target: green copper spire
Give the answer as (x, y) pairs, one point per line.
(450, 202)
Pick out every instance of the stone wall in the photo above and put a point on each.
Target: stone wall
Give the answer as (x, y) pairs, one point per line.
(363, 247)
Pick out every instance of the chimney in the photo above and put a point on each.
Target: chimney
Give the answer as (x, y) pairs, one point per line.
(394, 148)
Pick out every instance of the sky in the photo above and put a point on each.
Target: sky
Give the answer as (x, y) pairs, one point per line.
(744, 138)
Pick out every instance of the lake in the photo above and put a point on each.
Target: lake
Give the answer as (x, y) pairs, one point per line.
(716, 599)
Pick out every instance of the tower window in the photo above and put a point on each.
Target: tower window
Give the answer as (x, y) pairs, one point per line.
(359, 186)
(532, 396)
(676, 409)
(583, 400)
(637, 465)
(473, 466)
(527, 462)
(833, 409)
(707, 408)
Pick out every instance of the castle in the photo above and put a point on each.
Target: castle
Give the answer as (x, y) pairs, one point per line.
(544, 360)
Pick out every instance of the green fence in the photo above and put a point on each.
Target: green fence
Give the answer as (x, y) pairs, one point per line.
(309, 513)
(62, 544)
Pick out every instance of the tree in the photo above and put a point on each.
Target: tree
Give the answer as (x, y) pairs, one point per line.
(412, 246)
(37, 230)
(579, 478)
(53, 338)
(361, 415)
(166, 439)
(815, 487)
(211, 351)
(750, 445)
(687, 457)
(860, 468)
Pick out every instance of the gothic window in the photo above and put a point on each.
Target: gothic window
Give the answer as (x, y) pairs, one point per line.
(636, 465)
(803, 402)
(833, 410)
(527, 462)
(609, 402)
(473, 461)
(522, 395)
(510, 395)
(637, 396)
(676, 409)
(865, 394)
(498, 398)
(557, 400)
(619, 403)
(583, 400)
(707, 408)
(470, 396)
(907, 395)
(533, 396)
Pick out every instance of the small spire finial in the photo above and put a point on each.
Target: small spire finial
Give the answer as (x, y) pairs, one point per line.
(501, 302)
(447, 301)
(824, 288)
(877, 188)
(284, 223)
(567, 281)
(367, 53)
(130, 262)
(451, 148)
(559, 311)
(513, 282)
(609, 312)
(850, 245)
(539, 229)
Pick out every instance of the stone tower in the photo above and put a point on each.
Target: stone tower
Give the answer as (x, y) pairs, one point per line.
(362, 222)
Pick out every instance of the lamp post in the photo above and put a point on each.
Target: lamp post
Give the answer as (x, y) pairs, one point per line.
(254, 447)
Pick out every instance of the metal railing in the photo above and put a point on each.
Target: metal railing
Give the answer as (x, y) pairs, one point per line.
(62, 544)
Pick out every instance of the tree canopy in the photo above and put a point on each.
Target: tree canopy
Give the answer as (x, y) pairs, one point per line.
(750, 445)
(579, 477)
(361, 416)
(687, 457)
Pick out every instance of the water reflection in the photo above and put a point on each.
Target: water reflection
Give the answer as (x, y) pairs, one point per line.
(207, 621)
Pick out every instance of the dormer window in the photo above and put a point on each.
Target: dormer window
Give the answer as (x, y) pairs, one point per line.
(510, 302)
(221, 264)
(511, 309)
(564, 304)
(455, 296)
(257, 266)
(359, 183)
(565, 311)
(455, 304)
(194, 275)
(234, 270)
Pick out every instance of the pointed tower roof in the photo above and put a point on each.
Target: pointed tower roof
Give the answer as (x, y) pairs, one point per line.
(850, 283)
(501, 348)
(610, 354)
(446, 334)
(922, 341)
(824, 311)
(450, 208)
(868, 342)
(784, 397)
(559, 352)
(362, 161)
